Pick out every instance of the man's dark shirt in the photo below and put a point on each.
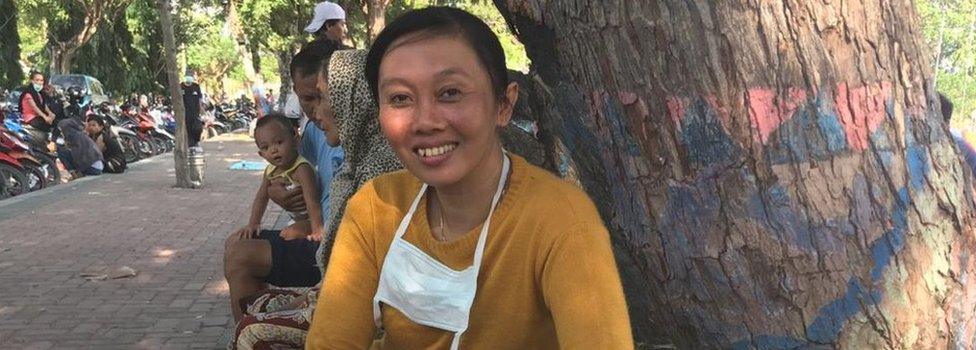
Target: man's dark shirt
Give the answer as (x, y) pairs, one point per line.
(113, 156)
(191, 101)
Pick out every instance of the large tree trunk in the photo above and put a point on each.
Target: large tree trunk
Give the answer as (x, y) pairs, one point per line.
(10, 72)
(284, 65)
(376, 17)
(775, 174)
(176, 95)
(61, 57)
(251, 76)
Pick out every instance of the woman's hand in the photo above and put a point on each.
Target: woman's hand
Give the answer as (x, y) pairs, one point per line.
(317, 234)
(290, 200)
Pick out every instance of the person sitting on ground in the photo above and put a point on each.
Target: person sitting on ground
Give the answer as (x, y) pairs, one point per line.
(79, 154)
(470, 244)
(108, 143)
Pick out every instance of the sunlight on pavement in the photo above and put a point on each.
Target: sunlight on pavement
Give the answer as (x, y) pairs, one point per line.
(218, 288)
(165, 252)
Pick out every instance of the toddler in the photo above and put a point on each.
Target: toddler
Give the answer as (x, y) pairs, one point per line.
(277, 142)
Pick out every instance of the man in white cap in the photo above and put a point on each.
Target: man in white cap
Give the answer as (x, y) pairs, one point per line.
(328, 23)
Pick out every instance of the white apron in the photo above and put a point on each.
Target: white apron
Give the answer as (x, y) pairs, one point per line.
(425, 290)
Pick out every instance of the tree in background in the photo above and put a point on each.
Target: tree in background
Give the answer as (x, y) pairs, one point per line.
(211, 54)
(277, 28)
(179, 111)
(10, 71)
(73, 24)
(244, 47)
(774, 175)
(143, 20)
(950, 29)
(112, 57)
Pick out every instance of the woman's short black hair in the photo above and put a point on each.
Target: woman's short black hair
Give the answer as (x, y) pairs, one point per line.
(442, 21)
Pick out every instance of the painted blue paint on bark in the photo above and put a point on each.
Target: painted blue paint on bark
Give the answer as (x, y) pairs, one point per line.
(884, 249)
(829, 124)
(704, 137)
(832, 317)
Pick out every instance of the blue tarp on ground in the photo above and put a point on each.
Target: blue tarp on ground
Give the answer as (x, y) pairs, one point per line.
(248, 165)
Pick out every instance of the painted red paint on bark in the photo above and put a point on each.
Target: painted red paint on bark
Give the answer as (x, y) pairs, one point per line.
(767, 111)
(861, 111)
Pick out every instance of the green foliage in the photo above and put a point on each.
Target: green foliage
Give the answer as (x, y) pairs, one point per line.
(126, 53)
(209, 51)
(32, 27)
(10, 71)
(515, 56)
(105, 56)
(142, 19)
(950, 29)
(276, 25)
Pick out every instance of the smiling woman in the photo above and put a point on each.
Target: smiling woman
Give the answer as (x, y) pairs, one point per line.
(470, 246)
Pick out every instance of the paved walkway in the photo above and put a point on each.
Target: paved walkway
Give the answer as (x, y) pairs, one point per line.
(172, 237)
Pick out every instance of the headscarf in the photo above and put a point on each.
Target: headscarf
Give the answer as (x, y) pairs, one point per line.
(367, 152)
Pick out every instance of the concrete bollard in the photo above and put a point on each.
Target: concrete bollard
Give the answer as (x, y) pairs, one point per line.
(196, 164)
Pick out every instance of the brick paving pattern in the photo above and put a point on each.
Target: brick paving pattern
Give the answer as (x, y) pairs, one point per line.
(172, 237)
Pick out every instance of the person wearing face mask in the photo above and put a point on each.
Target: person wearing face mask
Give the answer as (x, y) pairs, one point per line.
(36, 116)
(471, 246)
(192, 97)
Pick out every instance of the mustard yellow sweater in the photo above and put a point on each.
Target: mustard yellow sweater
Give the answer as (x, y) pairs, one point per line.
(548, 278)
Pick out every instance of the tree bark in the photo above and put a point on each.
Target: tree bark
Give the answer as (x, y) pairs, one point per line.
(176, 95)
(376, 17)
(284, 65)
(775, 174)
(251, 76)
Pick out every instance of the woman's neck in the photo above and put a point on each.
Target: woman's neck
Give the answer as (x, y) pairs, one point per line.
(463, 206)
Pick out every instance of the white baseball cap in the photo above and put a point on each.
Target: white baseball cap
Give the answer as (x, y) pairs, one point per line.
(325, 11)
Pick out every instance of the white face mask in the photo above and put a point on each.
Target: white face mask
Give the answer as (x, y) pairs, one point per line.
(425, 290)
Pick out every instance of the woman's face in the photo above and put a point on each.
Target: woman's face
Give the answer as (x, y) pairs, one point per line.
(37, 79)
(437, 108)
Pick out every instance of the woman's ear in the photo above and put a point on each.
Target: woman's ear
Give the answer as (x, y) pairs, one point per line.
(507, 106)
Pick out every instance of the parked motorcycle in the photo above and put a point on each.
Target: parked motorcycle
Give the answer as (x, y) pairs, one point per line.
(13, 179)
(37, 173)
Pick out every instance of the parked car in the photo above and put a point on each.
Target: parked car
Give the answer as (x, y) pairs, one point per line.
(90, 87)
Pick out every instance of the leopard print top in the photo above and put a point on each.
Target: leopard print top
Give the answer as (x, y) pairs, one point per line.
(367, 153)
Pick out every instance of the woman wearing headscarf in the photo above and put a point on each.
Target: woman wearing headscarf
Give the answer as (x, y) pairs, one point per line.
(282, 316)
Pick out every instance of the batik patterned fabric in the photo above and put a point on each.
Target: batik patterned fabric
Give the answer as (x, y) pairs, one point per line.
(275, 319)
